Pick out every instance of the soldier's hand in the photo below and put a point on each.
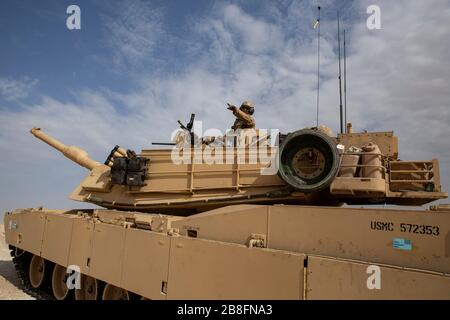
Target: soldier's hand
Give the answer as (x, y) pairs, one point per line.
(231, 107)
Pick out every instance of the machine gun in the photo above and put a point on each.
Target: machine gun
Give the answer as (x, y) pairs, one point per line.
(188, 127)
(190, 124)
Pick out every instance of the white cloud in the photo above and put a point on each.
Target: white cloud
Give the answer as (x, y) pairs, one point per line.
(251, 35)
(132, 31)
(399, 75)
(11, 89)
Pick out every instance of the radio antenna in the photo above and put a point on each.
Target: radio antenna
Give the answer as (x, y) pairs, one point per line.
(340, 83)
(317, 25)
(345, 87)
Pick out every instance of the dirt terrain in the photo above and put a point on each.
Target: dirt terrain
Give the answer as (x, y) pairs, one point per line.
(10, 288)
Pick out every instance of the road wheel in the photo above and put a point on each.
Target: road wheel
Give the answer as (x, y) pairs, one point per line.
(59, 282)
(115, 293)
(90, 289)
(37, 271)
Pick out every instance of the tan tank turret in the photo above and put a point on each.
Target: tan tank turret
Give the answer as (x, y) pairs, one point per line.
(306, 168)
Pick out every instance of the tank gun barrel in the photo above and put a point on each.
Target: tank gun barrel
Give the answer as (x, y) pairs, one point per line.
(74, 153)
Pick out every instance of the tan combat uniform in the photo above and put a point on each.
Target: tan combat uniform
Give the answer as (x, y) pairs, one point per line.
(243, 120)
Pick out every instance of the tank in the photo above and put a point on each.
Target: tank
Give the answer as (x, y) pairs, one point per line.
(192, 222)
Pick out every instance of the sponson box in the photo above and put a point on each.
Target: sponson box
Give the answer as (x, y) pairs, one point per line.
(407, 238)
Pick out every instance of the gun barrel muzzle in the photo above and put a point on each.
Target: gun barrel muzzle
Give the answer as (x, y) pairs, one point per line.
(74, 153)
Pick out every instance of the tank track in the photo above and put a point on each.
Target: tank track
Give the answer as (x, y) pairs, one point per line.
(21, 264)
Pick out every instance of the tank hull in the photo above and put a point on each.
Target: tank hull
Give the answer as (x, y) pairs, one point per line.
(244, 251)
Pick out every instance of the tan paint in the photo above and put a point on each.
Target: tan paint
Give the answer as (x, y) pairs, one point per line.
(241, 246)
(222, 262)
(107, 253)
(387, 141)
(347, 233)
(204, 269)
(183, 189)
(233, 224)
(57, 237)
(74, 153)
(81, 251)
(371, 157)
(25, 229)
(339, 279)
(146, 257)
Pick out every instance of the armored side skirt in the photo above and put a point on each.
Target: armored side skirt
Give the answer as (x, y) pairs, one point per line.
(248, 251)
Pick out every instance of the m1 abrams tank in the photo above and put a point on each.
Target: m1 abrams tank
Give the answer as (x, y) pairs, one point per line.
(177, 224)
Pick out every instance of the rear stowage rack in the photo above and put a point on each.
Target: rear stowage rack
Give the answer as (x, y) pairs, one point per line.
(398, 182)
(414, 176)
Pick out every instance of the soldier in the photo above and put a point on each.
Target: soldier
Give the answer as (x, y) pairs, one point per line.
(244, 119)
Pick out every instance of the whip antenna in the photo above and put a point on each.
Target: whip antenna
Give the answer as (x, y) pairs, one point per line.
(345, 87)
(340, 83)
(317, 26)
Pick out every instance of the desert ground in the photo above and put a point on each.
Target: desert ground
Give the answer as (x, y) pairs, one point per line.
(10, 288)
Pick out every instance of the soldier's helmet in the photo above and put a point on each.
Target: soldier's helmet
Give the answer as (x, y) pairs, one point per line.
(247, 107)
(247, 104)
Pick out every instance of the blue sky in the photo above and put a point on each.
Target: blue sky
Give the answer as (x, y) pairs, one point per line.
(135, 67)
(38, 46)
